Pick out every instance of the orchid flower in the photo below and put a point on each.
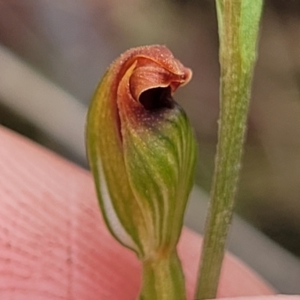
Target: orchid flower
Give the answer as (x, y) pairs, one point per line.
(142, 151)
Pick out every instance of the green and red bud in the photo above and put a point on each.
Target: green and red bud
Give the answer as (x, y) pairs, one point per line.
(142, 151)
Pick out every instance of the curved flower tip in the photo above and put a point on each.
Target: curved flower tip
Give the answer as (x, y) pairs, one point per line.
(147, 78)
(141, 149)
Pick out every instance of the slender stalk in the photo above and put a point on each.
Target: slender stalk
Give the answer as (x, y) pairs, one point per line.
(163, 279)
(238, 22)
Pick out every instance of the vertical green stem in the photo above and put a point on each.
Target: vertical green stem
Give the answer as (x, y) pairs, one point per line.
(238, 22)
(163, 279)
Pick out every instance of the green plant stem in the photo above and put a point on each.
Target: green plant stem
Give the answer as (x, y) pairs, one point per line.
(238, 22)
(163, 279)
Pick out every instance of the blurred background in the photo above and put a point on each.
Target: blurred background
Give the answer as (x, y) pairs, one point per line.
(53, 53)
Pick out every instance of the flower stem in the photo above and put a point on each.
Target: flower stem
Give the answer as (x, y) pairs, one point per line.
(163, 279)
(238, 22)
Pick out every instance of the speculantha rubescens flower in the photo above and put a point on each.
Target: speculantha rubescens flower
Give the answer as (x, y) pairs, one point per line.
(142, 153)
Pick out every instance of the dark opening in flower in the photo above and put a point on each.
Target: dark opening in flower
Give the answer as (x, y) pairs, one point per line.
(157, 98)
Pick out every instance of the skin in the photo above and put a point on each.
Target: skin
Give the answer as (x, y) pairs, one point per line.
(54, 244)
